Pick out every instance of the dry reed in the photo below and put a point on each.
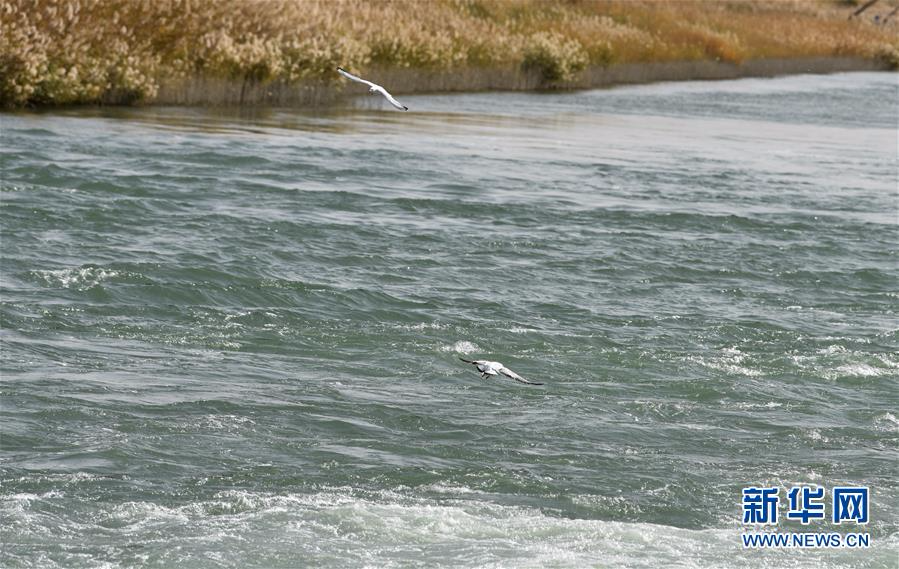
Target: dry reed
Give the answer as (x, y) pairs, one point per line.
(122, 51)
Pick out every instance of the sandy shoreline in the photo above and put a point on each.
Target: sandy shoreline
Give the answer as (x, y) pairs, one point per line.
(213, 91)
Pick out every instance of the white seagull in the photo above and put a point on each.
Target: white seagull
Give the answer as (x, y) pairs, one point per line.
(488, 368)
(373, 89)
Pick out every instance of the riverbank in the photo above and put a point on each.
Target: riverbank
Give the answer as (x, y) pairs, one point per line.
(206, 91)
(58, 52)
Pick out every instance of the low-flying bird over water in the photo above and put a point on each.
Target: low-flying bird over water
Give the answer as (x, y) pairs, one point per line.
(373, 88)
(488, 368)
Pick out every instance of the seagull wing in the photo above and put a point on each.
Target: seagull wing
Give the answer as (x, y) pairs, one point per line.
(509, 373)
(475, 362)
(390, 98)
(352, 77)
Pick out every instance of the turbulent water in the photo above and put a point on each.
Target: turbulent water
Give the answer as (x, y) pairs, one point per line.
(233, 340)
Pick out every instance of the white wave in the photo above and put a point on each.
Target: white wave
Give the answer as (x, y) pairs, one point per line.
(730, 361)
(522, 330)
(836, 362)
(887, 422)
(421, 326)
(226, 423)
(461, 347)
(81, 278)
(857, 364)
(856, 370)
(833, 349)
(755, 406)
(451, 489)
(814, 435)
(347, 527)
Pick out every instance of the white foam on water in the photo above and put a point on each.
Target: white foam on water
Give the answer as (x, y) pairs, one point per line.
(421, 326)
(836, 362)
(756, 406)
(856, 370)
(887, 422)
(814, 435)
(522, 330)
(833, 349)
(346, 527)
(729, 360)
(225, 423)
(28, 496)
(461, 347)
(81, 278)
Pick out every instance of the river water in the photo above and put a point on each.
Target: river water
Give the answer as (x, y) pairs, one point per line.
(232, 339)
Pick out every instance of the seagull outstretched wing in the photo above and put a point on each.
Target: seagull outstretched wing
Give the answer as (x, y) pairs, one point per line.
(390, 99)
(374, 87)
(352, 77)
(509, 373)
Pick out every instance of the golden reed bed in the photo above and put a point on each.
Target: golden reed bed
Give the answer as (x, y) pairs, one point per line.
(55, 52)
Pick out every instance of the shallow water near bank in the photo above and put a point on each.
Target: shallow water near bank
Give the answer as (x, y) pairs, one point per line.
(231, 339)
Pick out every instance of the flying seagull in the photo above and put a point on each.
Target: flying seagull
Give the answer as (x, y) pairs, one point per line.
(373, 89)
(492, 368)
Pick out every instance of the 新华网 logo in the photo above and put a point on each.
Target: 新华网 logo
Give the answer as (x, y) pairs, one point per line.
(805, 504)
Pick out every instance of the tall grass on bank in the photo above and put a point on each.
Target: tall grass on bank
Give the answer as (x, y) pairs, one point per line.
(122, 51)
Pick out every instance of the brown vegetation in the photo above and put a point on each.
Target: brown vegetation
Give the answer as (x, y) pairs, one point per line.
(88, 51)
